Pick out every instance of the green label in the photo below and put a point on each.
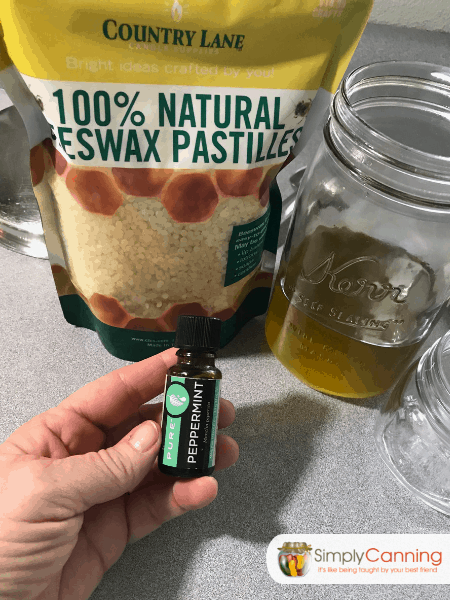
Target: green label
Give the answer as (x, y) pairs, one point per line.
(245, 248)
(171, 441)
(189, 422)
(215, 418)
(273, 229)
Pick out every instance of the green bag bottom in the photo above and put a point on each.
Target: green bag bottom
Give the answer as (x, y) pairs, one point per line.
(131, 345)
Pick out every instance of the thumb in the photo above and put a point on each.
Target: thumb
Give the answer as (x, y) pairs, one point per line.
(98, 477)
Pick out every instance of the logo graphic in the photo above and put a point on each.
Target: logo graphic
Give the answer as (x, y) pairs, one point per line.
(360, 559)
(294, 559)
(177, 399)
(176, 11)
(348, 286)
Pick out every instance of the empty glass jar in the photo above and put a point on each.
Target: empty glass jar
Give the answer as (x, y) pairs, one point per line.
(366, 264)
(20, 220)
(412, 431)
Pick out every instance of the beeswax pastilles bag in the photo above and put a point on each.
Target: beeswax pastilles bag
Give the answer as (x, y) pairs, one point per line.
(156, 130)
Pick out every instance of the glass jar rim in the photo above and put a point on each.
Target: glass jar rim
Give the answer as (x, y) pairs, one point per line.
(434, 387)
(427, 74)
(441, 346)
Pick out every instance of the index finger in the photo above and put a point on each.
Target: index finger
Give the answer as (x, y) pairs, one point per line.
(111, 399)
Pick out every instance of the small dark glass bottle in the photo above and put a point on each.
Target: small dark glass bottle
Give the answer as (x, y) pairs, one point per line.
(191, 400)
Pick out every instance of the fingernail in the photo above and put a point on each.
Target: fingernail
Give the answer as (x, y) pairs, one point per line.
(145, 436)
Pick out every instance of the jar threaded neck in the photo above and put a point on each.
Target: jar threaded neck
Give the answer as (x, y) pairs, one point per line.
(389, 124)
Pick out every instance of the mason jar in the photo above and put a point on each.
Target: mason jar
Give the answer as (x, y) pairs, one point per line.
(366, 264)
(294, 559)
(412, 431)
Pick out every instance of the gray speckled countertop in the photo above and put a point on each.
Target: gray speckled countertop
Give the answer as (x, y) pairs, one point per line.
(308, 464)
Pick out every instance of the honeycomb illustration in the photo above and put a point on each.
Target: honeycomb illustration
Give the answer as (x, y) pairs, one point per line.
(142, 246)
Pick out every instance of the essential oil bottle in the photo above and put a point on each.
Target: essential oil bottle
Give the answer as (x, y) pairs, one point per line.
(191, 400)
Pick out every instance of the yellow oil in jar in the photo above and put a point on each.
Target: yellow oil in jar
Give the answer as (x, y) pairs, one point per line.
(329, 361)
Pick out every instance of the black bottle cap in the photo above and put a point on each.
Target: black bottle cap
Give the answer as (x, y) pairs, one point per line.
(198, 332)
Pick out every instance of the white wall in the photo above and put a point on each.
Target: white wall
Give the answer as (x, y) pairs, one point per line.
(433, 15)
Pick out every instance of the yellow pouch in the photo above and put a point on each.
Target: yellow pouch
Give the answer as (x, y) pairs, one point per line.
(165, 125)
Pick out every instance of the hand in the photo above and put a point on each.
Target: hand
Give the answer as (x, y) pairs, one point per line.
(76, 486)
